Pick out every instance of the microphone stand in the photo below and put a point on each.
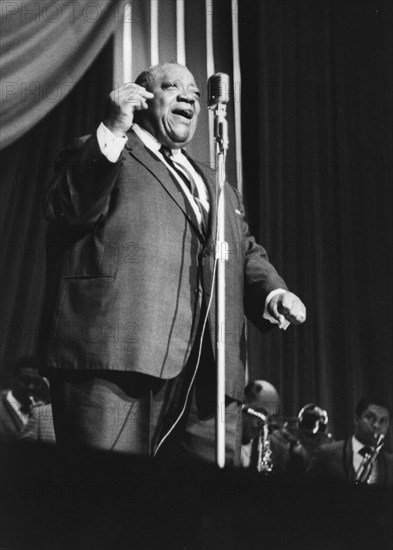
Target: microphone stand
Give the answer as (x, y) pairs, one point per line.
(221, 137)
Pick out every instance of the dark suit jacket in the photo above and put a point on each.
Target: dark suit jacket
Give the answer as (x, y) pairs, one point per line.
(335, 461)
(128, 267)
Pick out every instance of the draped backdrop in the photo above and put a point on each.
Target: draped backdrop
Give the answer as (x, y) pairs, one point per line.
(310, 141)
(317, 85)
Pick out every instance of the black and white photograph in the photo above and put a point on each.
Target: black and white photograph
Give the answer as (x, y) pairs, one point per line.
(196, 275)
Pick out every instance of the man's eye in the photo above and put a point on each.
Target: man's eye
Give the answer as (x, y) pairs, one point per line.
(170, 85)
(371, 418)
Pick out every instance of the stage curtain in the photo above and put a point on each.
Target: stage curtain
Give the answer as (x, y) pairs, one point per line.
(46, 47)
(26, 169)
(317, 142)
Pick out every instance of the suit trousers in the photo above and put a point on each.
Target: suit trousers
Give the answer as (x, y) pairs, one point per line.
(131, 413)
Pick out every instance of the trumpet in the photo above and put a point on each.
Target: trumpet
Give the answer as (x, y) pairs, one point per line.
(364, 471)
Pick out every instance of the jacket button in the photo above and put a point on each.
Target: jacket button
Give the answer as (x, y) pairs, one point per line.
(198, 291)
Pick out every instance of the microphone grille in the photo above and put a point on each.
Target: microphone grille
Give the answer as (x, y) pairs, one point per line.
(218, 89)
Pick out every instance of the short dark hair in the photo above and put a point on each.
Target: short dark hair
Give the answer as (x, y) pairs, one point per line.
(146, 77)
(365, 402)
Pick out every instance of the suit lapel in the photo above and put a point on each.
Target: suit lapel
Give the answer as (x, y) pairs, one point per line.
(350, 473)
(145, 157)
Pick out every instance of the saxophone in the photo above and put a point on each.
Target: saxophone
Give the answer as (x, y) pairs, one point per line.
(364, 471)
(265, 461)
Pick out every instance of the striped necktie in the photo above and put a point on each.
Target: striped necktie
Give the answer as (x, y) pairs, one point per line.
(187, 178)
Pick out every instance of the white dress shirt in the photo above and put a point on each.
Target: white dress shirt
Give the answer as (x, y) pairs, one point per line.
(16, 405)
(358, 459)
(111, 146)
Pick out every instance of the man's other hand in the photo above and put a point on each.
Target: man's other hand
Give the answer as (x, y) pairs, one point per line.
(287, 307)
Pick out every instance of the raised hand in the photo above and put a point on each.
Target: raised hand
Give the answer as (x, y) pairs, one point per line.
(122, 103)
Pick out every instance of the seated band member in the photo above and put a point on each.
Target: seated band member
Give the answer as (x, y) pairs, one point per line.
(262, 449)
(131, 281)
(347, 459)
(27, 390)
(305, 436)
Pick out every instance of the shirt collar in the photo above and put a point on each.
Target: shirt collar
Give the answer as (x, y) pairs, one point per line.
(150, 141)
(356, 445)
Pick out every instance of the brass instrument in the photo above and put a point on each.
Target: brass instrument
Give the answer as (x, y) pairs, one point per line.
(312, 420)
(264, 462)
(365, 468)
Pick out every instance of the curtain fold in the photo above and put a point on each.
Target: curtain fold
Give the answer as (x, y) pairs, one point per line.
(26, 169)
(46, 47)
(317, 137)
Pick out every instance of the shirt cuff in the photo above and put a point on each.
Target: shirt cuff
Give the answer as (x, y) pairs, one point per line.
(111, 146)
(266, 314)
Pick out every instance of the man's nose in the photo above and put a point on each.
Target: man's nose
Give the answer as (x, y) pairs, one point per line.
(189, 97)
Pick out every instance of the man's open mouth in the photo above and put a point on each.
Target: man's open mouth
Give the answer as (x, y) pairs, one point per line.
(186, 113)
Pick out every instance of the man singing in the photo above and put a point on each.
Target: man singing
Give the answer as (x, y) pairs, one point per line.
(131, 263)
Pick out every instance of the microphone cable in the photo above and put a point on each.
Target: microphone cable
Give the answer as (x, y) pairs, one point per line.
(218, 196)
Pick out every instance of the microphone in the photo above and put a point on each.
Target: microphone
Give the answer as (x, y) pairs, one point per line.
(253, 412)
(217, 99)
(218, 90)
